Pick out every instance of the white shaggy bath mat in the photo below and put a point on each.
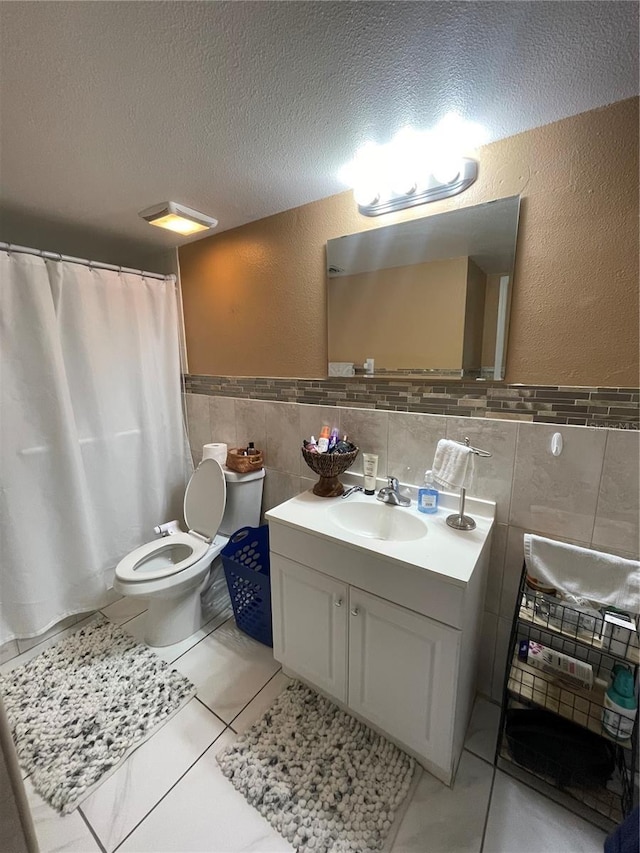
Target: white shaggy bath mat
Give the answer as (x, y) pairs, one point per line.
(325, 781)
(80, 707)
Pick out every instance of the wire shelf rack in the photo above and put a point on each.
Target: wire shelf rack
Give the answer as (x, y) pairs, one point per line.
(605, 805)
(600, 639)
(604, 632)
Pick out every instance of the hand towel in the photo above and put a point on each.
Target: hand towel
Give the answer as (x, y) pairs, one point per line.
(584, 577)
(452, 464)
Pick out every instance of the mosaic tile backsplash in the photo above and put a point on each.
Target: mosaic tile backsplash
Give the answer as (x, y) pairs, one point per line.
(616, 408)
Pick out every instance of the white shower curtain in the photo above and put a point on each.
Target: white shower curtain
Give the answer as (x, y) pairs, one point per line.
(93, 446)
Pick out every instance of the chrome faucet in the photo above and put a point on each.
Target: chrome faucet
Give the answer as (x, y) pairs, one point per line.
(351, 490)
(390, 494)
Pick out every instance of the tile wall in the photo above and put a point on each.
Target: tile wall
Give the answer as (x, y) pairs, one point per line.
(588, 495)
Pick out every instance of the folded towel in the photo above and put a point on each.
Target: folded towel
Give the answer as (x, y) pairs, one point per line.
(583, 576)
(452, 464)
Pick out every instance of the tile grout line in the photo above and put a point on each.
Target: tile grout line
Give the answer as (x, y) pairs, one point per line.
(254, 696)
(486, 817)
(476, 755)
(513, 476)
(595, 510)
(103, 849)
(182, 654)
(126, 621)
(230, 724)
(168, 791)
(211, 711)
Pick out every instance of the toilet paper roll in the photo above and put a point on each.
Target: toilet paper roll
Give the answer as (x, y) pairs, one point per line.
(215, 450)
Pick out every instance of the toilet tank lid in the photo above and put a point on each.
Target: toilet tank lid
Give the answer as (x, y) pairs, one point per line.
(236, 477)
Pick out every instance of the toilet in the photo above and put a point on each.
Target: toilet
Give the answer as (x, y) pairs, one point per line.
(173, 571)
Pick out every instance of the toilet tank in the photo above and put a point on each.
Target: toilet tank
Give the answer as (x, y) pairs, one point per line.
(244, 500)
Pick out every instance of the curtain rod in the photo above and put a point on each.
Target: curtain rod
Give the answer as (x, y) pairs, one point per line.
(56, 256)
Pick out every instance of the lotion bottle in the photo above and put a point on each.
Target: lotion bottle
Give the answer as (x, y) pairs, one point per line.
(428, 495)
(370, 466)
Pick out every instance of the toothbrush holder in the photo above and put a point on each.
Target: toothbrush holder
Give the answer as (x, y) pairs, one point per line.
(329, 466)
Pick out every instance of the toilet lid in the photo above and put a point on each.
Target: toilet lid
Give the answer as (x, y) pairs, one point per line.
(205, 498)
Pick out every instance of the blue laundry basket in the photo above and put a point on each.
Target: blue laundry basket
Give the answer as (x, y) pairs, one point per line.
(246, 566)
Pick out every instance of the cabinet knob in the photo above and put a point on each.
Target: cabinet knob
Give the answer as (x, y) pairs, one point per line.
(338, 602)
(355, 611)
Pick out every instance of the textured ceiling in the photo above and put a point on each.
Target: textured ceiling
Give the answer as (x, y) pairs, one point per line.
(245, 109)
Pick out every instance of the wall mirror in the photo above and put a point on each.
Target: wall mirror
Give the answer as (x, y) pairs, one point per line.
(426, 297)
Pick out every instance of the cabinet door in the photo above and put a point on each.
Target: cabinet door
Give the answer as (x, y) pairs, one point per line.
(310, 625)
(403, 673)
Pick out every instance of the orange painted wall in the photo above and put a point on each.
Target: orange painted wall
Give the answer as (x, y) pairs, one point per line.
(409, 317)
(255, 297)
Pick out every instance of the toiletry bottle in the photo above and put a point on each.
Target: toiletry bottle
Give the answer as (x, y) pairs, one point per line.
(428, 495)
(311, 445)
(344, 446)
(323, 441)
(333, 439)
(620, 706)
(370, 467)
(251, 449)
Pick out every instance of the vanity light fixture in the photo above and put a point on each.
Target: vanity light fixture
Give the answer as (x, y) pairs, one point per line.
(415, 167)
(432, 190)
(177, 217)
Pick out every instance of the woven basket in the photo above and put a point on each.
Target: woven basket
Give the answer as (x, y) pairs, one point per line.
(237, 461)
(329, 466)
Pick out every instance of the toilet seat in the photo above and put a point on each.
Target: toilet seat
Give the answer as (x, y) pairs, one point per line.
(161, 558)
(204, 504)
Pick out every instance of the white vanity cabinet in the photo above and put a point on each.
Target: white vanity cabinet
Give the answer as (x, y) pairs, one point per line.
(400, 668)
(310, 625)
(391, 641)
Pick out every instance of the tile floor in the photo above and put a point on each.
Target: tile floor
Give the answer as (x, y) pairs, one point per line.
(171, 796)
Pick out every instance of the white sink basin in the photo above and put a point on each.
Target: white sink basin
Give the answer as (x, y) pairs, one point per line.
(378, 521)
(391, 533)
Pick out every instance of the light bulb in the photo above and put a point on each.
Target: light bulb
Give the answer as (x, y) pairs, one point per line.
(402, 177)
(366, 193)
(369, 173)
(404, 155)
(456, 135)
(445, 169)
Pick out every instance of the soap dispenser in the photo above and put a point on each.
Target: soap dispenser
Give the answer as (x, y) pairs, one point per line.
(428, 495)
